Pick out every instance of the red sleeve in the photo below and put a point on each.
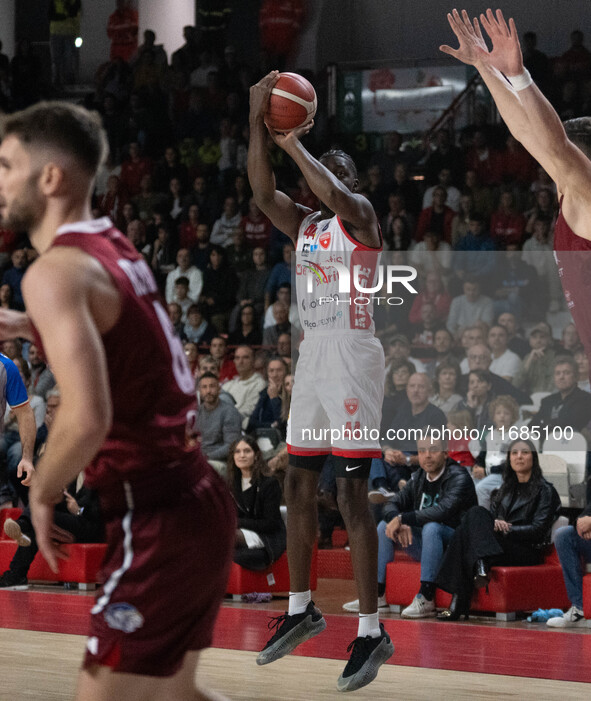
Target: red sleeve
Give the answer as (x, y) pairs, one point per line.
(422, 224)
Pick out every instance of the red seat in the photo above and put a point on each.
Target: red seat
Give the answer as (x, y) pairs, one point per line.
(587, 595)
(82, 566)
(511, 589)
(274, 579)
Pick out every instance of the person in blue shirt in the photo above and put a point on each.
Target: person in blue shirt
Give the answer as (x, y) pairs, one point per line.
(18, 462)
(13, 277)
(468, 259)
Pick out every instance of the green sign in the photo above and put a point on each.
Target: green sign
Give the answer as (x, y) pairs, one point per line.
(349, 105)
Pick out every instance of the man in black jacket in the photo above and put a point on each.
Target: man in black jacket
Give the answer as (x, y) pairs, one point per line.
(421, 518)
(570, 406)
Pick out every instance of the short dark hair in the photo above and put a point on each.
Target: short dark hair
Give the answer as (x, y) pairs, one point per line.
(69, 128)
(182, 280)
(566, 360)
(579, 132)
(209, 376)
(337, 153)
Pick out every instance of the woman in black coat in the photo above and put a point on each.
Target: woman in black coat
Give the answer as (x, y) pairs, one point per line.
(260, 536)
(514, 532)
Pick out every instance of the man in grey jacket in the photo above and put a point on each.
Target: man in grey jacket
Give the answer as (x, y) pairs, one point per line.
(421, 518)
(218, 423)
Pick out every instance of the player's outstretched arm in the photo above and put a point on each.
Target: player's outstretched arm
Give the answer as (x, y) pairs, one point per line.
(57, 292)
(527, 113)
(285, 214)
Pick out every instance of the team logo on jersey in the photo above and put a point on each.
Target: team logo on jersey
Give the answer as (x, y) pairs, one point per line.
(351, 406)
(324, 240)
(123, 616)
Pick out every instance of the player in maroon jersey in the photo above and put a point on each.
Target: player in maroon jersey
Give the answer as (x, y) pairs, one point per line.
(563, 150)
(127, 400)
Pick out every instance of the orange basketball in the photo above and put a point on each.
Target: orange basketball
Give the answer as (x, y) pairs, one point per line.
(292, 103)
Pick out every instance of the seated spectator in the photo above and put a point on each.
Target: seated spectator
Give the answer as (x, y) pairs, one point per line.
(218, 349)
(174, 205)
(218, 423)
(267, 412)
(569, 406)
(133, 170)
(432, 291)
(421, 519)
(280, 274)
(257, 227)
(197, 329)
(398, 236)
(507, 225)
(481, 194)
(170, 168)
(396, 208)
(432, 254)
(271, 334)
(248, 330)
(515, 341)
(582, 362)
(5, 295)
(537, 371)
(453, 194)
(517, 287)
(483, 159)
(424, 331)
(573, 545)
(78, 515)
(478, 396)
(260, 535)
(184, 268)
(247, 386)
(469, 259)
(460, 224)
(147, 200)
(570, 338)
(399, 349)
(252, 285)
(406, 188)
(472, 336)
(447, 381)
(42, 379)
(283, 295)
(14, 275)
(515, 163)
(376, 190)
(469, 308)
(284, 350)
(505, 362)
(444, 155)
(545, 206)
(460, 423)
(436, 218)
(163, 254)
(488, 465)
(181, 297)
(397, 379)
(192, 355)
(136, 233)
(223, 228)
(175, 314)
(238, 253)
(219, 288)
(514, 532)
(390, 474)
(201, 250)
(479, 357)
(188, 228)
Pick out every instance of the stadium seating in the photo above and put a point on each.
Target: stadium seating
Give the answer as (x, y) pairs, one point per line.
(511, 589)
(273, 579)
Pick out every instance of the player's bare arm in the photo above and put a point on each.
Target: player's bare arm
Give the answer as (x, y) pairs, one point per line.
(527, 113)
(63, 292)
(15, 324)
(27, 431)
(285, 214)
(333, 189)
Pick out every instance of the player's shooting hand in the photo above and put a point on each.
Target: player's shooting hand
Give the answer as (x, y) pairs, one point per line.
(25, 466)
(291, 138)
(472, 49)
(506, 54)
(50, 538)
(260, 93)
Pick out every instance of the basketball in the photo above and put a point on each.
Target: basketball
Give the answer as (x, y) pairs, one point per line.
(292, 103)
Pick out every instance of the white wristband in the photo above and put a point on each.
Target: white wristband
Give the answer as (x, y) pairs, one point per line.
(521, 81)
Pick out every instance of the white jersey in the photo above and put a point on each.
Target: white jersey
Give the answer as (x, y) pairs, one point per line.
(332, 270)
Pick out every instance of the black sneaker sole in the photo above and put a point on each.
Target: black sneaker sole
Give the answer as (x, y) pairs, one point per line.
(304, 630)
(369, 671)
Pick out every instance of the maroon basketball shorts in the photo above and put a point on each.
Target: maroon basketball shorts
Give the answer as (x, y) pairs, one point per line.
(165, 574)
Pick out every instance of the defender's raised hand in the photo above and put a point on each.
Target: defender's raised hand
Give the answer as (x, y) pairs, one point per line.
(472, 49)
(506, 54)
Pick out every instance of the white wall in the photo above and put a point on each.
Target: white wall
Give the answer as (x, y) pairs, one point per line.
(167, 19)
(7, 26)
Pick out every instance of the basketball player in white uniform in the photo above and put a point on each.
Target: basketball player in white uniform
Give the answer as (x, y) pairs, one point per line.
(338, 383)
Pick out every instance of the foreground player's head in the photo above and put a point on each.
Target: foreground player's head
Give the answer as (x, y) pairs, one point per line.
(579, 132)
(51, 150)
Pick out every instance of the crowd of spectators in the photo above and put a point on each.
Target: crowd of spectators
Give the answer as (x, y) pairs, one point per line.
(471, 211)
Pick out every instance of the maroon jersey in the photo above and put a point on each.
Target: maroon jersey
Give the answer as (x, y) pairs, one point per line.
(152, 389)
(573, 256)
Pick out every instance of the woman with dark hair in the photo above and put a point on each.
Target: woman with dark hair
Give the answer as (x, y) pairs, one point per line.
(397, 378)
(260, 535)
(248, 330)
(478, 397)
(219, 288)
(398, 235)
(447, 379)
(514, 532)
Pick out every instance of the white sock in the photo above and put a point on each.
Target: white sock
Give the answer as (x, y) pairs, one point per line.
(369, 624)
(298, 601)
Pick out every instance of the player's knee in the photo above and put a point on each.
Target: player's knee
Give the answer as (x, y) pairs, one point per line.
(300, 488)
(352, 499)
